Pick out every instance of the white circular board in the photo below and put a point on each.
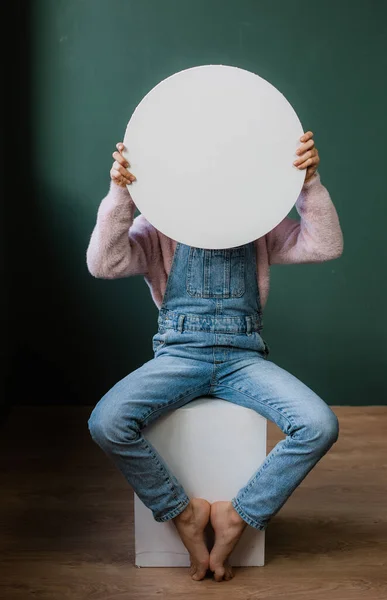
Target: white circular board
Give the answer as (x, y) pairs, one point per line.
(212, 148)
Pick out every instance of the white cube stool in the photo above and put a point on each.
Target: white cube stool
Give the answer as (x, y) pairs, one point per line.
(213, 447)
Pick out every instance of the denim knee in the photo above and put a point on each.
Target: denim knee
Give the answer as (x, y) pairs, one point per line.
(108, 427)
(97, 426)
(328, 429)
(323, 429)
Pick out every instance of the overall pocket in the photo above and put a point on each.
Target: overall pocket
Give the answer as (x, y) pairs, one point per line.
(260, 345)
(216, 273)
(159, 340)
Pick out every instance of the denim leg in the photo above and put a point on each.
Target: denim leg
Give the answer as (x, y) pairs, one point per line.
(160, 385)
(311, 428)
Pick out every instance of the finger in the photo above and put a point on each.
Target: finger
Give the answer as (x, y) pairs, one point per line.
(304, 147)
(302, 158)
(120, 146)
(115, 174)
(308, 163)
(118, 178)
(119, 173)
(124, 172)
(119, 158)
(306, 136)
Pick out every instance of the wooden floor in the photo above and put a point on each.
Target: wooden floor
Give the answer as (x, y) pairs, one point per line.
(67, 520)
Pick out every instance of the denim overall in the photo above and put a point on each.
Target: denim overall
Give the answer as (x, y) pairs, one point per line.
(208, 343)
(211, 303)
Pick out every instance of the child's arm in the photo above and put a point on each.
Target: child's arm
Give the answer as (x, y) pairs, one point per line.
(120, 245)
(316, 238)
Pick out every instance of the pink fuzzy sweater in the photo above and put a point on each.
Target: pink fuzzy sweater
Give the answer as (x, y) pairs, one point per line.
(122, 245)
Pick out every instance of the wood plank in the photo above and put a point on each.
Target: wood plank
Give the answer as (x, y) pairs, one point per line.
(66, 518)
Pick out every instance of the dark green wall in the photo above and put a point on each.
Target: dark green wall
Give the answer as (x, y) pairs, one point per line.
(87, 65)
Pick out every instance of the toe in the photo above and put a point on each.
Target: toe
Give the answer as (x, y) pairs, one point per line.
(228, 573)
(200, 572)
(219, 574)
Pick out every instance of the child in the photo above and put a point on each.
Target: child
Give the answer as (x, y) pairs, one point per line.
(208, 343)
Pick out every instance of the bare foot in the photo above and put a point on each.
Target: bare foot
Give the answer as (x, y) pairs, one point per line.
(228, 527)
(190, 525)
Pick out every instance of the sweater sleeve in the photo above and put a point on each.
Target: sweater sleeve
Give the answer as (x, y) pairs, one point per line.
(120, 245)
(317, 237)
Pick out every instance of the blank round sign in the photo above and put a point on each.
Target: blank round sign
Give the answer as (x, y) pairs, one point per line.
(212, 148)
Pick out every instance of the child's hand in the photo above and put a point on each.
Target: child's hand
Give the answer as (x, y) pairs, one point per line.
(309, 155)
(119, 173)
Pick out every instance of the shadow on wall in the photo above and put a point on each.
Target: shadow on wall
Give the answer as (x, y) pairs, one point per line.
(73, 336)
(16, 178)
(48, 334)
(50, 350)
